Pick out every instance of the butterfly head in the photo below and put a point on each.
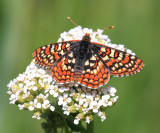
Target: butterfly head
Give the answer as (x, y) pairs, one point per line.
(87, 37)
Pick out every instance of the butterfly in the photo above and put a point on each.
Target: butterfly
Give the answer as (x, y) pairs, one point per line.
(88, 63)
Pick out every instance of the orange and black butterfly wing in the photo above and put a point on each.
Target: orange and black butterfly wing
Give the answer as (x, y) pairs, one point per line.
(63, 70)
(47, 55)
(94, 73)
(120, 63)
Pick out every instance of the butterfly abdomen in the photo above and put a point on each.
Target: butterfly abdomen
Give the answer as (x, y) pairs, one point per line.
(77, 72)
(81, 57)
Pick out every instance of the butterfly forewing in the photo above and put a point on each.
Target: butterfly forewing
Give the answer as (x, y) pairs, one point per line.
(119, 62)
(48, 54)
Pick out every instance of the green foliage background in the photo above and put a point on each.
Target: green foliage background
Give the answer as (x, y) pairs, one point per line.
(28, 24)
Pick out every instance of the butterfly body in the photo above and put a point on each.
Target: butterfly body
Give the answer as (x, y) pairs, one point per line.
(87, 63)
(83, 52)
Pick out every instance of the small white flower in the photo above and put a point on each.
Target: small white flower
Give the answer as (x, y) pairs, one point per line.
(51, 92)
(60, 100)
(114, 99)
(81, 101)
(35, 101)
(65, 95)
(66, 112)
(21, 106)
(85, 110)
(27, 82)
(20, 85)
(52, 108)
(94, 106)
(31, 108)
(39, 105)
(41, 71)
(34, 88)
(89, 96)
(45, 104)
(130, 51)
(102, 115)
(36, 115)
(112, 90)
(20, 77)
(105, 97)
(85, 105)
(61, 90)
(13, 98)
(109, 103)
(69, 100)
(76, 121)
(88, 120)
(25, 89)
(9, 92)
(83, 95)
(32, 83)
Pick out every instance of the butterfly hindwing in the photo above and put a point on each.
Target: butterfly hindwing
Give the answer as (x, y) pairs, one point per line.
(63, 71)
(120, 63)
(95, 74)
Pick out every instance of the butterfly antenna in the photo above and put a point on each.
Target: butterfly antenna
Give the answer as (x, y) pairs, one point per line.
(72, 21)
(111, 27)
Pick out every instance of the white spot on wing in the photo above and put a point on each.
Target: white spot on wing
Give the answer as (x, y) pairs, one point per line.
(59, 46)
(112, 53)
(87, 63)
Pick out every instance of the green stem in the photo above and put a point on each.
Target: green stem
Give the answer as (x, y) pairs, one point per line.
(70, 118)
(90, 127)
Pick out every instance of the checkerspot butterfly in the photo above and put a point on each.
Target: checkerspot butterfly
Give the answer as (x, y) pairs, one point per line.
(88, 63)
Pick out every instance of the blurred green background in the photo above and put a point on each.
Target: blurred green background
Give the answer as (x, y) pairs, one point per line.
(28, 24)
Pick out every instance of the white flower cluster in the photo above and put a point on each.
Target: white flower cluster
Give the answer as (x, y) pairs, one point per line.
(37, 91)
(28, 90)
(31, 90)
